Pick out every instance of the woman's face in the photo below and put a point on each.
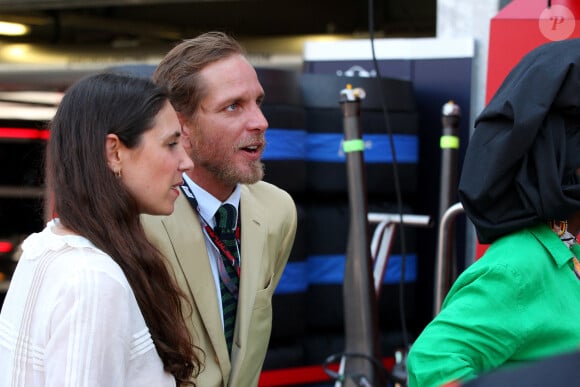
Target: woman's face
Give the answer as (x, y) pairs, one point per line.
(152, 170)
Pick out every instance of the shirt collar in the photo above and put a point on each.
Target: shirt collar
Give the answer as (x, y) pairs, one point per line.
(209, 204)
(560, 253)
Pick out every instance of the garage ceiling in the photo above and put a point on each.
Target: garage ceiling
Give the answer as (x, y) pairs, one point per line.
(70, 38)
(97, 22)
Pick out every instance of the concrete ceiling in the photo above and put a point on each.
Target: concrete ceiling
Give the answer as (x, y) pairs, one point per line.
(97, 22)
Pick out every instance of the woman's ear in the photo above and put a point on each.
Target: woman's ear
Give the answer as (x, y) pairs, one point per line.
(112, 147)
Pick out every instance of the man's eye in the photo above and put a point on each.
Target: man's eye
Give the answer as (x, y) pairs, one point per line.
(232, 107)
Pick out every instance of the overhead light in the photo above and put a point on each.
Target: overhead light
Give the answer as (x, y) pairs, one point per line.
(13, 29)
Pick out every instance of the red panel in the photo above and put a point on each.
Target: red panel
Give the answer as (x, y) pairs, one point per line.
(516, 30)
(531, 9)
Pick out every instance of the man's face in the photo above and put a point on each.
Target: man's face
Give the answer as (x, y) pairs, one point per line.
(227, 130)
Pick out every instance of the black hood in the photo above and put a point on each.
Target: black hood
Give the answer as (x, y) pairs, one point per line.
(520, 164)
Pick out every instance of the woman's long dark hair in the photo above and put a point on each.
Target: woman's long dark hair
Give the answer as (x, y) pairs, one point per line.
(90, 200)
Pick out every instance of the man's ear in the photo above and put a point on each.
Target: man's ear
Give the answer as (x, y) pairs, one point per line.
(112, 148)
(185, 131)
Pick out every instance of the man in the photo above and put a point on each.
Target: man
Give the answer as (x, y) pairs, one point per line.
(217, 96)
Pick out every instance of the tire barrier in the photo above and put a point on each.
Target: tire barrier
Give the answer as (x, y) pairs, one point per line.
(317, 329)
(289, 306)
(325, 159)
(327, 232)
(304, 157)
(285, 153)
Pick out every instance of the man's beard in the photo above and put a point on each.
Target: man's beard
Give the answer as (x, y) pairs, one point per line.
(203, 155)
(230, 175)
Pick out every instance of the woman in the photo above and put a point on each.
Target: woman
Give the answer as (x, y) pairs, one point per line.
(520, 187)
(91, 302)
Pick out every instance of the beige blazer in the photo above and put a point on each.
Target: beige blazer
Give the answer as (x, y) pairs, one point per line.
(268, 226)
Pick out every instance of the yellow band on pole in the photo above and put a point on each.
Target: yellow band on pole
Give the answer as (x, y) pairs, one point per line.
(353, 146)
(449, 142)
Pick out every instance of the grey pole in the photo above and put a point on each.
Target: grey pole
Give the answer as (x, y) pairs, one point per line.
(360, 303)
(449, 144)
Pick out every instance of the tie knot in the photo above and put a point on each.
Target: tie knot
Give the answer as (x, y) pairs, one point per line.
(225, 218)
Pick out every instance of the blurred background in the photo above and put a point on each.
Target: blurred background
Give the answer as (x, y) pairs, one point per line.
(428, 53)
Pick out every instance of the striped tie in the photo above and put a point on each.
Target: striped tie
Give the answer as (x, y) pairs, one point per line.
(225, 228)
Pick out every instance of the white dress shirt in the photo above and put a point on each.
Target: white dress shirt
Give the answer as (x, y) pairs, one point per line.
(70, 318)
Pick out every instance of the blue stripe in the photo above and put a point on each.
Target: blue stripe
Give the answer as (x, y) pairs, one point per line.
(329, 269)
(294, 278)
(328, 148)
(285, 144)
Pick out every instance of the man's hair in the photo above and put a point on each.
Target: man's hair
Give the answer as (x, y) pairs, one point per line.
(179, 70)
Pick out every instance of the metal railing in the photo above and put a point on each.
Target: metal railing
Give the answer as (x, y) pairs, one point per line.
(443, 261)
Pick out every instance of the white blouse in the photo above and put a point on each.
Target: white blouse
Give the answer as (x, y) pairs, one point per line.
(70, 318)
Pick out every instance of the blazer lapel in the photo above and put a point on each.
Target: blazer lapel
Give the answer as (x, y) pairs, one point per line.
(184, 230)
(254, 231)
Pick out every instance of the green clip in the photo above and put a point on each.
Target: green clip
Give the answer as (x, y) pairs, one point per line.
(353, 146)
(449, 142)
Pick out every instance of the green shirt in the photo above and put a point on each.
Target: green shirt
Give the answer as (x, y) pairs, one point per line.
(518, 303)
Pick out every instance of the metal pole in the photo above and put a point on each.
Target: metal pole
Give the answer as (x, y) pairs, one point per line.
(360, 303)
(443, 259)
(383, 236)
(449, 144)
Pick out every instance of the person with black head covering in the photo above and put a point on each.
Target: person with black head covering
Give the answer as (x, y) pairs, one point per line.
(520, 187)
